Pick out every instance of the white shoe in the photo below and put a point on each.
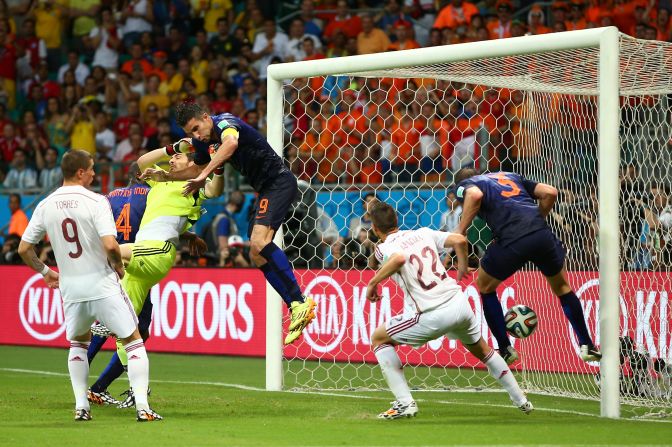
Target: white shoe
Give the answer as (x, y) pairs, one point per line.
(526, 408)
(400, 410)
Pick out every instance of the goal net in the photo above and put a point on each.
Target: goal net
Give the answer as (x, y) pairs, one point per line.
(401, 133)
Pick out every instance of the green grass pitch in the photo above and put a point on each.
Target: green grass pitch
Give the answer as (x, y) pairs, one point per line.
(210, 400)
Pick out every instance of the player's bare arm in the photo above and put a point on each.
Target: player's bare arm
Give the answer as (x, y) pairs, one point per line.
(393, 264)
(113, 252)
(215, 187)
(27, 253)
(224, 152)
(472, 203)
(546, 195)
(459, 243)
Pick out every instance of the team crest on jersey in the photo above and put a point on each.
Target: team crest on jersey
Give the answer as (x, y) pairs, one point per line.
(223, 124)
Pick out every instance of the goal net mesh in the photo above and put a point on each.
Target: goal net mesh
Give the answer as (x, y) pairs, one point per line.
(401, 134)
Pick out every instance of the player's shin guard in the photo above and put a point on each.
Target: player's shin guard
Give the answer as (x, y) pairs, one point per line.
(138, 372)
(498, 369)
(78, 366)
(112, 371)
(278, 261)
(96, 344)
(571, 306)
(393, 371)
(492, 310)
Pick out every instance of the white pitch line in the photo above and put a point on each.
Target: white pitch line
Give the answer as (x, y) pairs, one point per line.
(338, 394)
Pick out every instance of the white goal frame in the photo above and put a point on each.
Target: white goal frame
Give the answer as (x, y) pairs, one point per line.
(606, 40)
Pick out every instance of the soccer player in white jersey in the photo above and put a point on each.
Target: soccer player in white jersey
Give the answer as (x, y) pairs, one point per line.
(82, 232)
(411, 257)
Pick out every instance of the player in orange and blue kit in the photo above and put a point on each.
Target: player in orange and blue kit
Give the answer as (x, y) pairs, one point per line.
(515, 209)
(128, 206)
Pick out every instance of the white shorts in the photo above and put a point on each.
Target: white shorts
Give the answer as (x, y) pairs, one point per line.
(455, 320)
(114, 312)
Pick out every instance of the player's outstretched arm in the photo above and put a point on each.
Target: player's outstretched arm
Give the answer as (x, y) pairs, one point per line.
(546, 195)
(27, 253)
(224, 152)
(393, 264)
(215, 187)
(472, 203)
(459, 243)
(113, 252)
(151, 158)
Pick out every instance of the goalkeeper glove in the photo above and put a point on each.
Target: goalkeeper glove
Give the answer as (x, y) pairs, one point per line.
(182, 146)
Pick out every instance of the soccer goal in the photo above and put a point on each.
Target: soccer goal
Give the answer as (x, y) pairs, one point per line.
(587, 111)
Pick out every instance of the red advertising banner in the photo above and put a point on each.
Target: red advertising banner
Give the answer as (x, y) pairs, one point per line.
(216, 311)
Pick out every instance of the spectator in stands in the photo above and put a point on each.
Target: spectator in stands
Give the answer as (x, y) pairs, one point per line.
(8, 56)
(199, 69)
(663, 25)
(105, 137)
(49, 15)
(105, 41)
(125, 146)
(10, 253)
(458, 12)
(10, 142)
(20, 175)
(294, 50)
(80, 69)
(501, 27)
(136, 60)
(535, 21)
(405, 150)
(559, 14)
(347, 24)
(82, 14)
(362, 222)
(33, 141)
(137, 16)
(54, 124)
(153, 96)
(662, 209)
(311, 24)
(82, 129)
(576, 19)
(451, 218)
(212, 12)
(18, 222)
(223, 43)
(268, 44)
(35, 49)
(404, 41)
(51, 175)
(389, 15)
(371, 39)
(224, 226)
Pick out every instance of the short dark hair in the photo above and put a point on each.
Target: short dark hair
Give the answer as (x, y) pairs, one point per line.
(186, 111)
(464, 174)
(73, 161)
(383, 217)
(17, 196)
(133, 173)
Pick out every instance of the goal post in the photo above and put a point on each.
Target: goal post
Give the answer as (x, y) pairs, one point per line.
(464, 63)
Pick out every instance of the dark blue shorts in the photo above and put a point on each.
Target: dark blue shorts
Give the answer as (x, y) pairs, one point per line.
(274, 201)
(542, 248)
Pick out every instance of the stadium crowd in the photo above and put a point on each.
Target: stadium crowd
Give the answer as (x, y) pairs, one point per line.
(103, 76)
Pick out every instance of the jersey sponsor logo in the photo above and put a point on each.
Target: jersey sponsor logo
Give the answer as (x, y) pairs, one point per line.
(41, 310)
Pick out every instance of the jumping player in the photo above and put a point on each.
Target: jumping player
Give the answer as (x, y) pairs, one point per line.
(80, 226)
(411, 257)
(226, 138)
(128, 206)
(515, 209)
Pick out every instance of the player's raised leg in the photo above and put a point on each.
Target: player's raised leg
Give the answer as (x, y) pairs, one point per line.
(571, 306)
(500, 371)
(393, 371)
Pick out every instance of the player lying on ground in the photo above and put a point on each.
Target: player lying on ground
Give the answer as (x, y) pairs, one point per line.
(81, 229)
(168, 215)
(515, 209)
(225, 138)
(411, 258)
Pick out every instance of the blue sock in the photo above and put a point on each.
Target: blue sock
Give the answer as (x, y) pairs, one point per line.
(279, 264)
(571, 306)
(274, 281)
(97, 343)
(492, 309)
(113, 370)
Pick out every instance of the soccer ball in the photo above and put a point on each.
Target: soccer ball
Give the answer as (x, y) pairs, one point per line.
(521, 321)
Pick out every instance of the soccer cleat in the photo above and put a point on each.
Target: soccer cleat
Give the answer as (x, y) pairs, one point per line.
(301, 314)
(129, 401)
(590, 353)
(527, 407)
(400, 410)
(148, 415)
(82, 415)
(100, 330)
(510, 355)
(102, 398)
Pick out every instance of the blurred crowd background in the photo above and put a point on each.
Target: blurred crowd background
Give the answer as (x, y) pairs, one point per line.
(103, 76)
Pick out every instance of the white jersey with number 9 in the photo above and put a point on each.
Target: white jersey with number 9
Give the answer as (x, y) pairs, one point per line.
(424, 279)
(75, 219)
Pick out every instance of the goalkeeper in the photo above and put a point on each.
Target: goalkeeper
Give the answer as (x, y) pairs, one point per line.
(168, 215)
